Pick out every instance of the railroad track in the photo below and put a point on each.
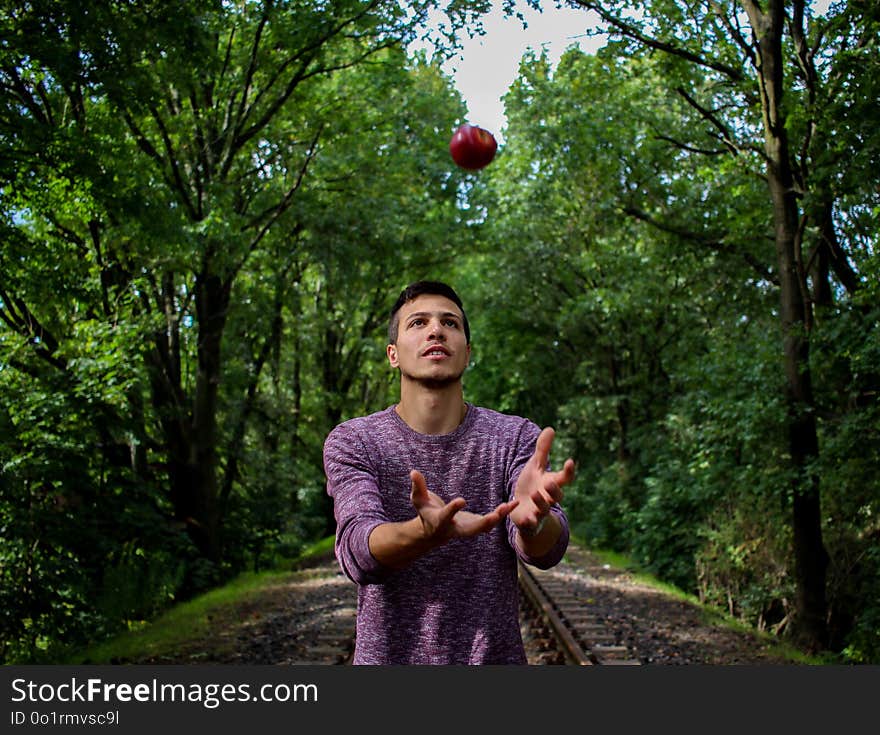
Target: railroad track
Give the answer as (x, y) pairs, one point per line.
(563, 627)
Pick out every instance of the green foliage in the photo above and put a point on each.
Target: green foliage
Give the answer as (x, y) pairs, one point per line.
(206, 213)
(858, 606)
(847, 359)
(631, 290)
(742, 562)
(72, 526)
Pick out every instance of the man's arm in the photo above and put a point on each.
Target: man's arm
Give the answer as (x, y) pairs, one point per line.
(352, 482)
(397, 544)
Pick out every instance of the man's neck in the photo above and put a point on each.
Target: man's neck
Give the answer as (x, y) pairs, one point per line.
(431, 410)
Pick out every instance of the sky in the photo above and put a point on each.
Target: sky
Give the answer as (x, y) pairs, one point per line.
(488, 64)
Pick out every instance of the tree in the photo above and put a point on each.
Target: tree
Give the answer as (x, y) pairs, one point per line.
(755, 75)
(178, 182)
(188, 95)
(618, 310)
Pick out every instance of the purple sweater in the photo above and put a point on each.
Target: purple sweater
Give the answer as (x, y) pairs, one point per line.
(458, 604)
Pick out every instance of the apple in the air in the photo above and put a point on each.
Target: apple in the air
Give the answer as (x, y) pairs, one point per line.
(472, 147)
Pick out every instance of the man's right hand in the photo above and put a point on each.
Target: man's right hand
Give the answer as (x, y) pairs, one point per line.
(397, 544)
(443, 521)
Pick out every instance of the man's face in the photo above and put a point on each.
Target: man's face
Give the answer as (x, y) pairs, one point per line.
(431, 345)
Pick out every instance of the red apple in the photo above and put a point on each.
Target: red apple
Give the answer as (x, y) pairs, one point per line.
(472, 148)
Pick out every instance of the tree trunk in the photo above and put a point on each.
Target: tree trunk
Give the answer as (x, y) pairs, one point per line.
(212, 303)
(190, 431)
(809, 552)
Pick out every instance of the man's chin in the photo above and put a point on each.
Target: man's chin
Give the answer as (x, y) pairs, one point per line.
(434, 382)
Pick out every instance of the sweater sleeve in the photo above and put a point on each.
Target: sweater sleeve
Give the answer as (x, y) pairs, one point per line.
(524, 449)
(352, 482)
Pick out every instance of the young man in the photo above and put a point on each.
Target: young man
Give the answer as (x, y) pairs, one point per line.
(436, 499)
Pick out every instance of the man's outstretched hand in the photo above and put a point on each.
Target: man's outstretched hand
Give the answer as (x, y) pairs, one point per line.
(537, 488)
(443, 521)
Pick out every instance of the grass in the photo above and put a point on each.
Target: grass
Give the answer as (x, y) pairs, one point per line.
(178, 626)
(318, 550)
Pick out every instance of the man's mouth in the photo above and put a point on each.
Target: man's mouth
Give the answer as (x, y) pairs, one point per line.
(436, 351)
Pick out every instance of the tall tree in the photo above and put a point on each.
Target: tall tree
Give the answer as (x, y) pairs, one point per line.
(193, 195)
(186, 123)
(619, 307)
(755, 73)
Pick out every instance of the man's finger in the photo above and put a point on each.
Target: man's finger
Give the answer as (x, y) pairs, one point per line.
(543, 446)
(418, 493)
(450, 509)
(505, 509)
(543, 500)
(494, 517)
(551, 492)
(563, 476)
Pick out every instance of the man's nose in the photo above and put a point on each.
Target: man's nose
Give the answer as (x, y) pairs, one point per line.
(437, 330)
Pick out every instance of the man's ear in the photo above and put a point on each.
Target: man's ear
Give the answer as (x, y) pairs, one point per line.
(391, 351)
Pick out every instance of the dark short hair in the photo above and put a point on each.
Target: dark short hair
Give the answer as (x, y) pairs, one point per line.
(419, 288)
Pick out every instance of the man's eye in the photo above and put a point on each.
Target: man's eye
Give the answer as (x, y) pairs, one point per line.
(452, 323)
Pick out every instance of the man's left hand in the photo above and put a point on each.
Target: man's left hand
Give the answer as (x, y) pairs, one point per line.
(537, 488)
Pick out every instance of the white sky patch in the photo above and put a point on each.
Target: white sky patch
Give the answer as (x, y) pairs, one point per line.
(487, 65)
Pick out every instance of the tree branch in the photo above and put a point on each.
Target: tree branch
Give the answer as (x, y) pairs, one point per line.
(302, 59)
(735, 33)
(284, 204)
(20, 90)
(171, 163)
(629, 30)
(691, 149)
(713, 243)
(22, 321)
(710, 116)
